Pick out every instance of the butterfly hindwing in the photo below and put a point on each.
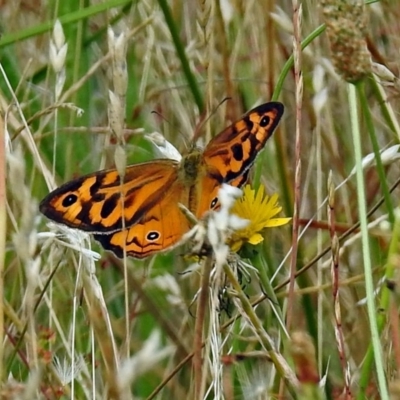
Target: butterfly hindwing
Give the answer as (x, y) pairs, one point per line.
(160, 228)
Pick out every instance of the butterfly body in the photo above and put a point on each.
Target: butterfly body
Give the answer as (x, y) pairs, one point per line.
(140, 210)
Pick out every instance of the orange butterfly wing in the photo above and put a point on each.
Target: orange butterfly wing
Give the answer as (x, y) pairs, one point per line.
(149, 204)
(98, 202)
(229, 155)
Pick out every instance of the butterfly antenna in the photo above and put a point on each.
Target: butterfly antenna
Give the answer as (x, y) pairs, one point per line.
(204, 119)
(161, 116)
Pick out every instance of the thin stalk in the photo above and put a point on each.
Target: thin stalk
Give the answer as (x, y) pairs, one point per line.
(182, 55)
(3, 227)
(384, 304)
(198, 329)
(369, 285)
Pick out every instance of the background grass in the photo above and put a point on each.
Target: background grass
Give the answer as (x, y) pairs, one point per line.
(78, 327)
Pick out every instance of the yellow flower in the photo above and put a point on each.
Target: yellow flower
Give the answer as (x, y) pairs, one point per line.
(259, 209)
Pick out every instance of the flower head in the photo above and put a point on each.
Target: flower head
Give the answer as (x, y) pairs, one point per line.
(260, 209)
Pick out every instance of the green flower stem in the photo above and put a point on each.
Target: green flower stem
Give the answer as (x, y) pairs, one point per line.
(369, 286)
(391, 267)
(290, 61)
(280, 364)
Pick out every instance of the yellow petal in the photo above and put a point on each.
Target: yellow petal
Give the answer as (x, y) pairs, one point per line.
(277, 222)
(255, 239)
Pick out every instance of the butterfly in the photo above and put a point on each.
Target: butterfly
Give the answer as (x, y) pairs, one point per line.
(140, 210)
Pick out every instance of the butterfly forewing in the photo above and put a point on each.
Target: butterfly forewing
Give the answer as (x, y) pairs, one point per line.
(100, 201)
(231, 153)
